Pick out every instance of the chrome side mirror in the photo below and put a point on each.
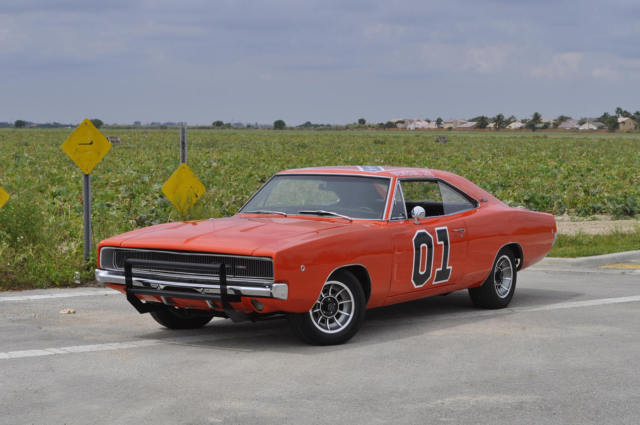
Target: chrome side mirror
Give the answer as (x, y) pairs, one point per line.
(417, 213)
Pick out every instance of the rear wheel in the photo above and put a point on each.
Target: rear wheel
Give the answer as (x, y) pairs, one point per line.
(182, 318)
(498, 289)
(336, 315)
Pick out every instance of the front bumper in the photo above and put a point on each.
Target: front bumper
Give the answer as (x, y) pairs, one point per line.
(278, 291)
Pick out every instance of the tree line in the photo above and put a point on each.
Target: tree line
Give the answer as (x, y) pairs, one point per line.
(498, 122)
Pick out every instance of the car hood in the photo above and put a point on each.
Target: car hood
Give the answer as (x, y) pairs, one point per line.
(239, 235)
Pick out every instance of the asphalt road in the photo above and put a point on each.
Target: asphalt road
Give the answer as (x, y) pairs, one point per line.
(565, 352)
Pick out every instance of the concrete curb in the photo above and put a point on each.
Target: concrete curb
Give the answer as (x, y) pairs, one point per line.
(590, 262)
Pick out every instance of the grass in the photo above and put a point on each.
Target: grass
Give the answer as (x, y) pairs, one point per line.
(41, 225)
(583, 245)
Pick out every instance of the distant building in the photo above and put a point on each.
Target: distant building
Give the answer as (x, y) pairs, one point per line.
(548, 121)
(591, 125)
(626, 124)
(422, 124)
(458, 123)
(516, 125)
(412, 124)
(569, 124)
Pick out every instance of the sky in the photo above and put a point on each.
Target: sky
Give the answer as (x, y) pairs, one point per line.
(326, 61)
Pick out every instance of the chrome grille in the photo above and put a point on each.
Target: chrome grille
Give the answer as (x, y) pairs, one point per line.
(236, 266)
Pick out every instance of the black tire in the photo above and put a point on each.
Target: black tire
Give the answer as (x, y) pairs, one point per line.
(182, 318)
(341, 305)
(497, 290)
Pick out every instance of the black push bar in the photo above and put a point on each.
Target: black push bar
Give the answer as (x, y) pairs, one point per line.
(223, 298)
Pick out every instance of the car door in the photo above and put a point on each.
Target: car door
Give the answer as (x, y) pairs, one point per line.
(429, 253)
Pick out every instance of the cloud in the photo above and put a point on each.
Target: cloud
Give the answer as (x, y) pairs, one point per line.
(617, 69)
(607, 73)
(486, 60)
(383, 31)
(263, 59)
(561, 66)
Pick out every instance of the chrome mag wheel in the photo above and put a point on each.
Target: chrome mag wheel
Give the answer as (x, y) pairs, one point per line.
(337, 313)
(503, 276)
(500, 285)
(333, 311)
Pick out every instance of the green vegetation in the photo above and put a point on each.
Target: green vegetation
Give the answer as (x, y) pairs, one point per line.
(41, 225)
(583, 245)
(97, 122)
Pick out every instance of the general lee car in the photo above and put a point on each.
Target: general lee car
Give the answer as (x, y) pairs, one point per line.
(323, 245)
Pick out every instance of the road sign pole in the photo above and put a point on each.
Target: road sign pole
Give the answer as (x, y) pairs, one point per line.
(86, 208)
(183, 143)
(86, 146)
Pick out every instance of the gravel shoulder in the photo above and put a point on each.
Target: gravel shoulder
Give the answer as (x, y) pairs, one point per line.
(599, 226)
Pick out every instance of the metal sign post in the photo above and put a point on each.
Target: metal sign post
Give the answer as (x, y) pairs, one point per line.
(86, 209)
(183, 188)
(86, 146)
(183, 143)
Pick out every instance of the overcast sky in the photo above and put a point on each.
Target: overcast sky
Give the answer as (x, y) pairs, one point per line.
(322, 61)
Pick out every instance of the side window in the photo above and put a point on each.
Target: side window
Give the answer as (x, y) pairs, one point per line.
(421, 191)
(398, 212)
(452, 200)
(436, 197)
(424, 193)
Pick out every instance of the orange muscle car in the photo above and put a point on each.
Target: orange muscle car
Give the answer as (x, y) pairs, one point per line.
(323, 245)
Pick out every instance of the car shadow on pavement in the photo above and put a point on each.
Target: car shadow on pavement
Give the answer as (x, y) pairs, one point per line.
(383, 324)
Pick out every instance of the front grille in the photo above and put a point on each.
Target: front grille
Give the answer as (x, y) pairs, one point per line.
(236, 266)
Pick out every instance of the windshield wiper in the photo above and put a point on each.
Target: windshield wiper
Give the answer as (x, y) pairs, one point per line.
(324, 212)
(265, 212)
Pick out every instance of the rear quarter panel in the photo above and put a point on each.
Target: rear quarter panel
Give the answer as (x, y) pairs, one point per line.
(494, 226)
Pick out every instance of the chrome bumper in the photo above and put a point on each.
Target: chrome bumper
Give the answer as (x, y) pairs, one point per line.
(278, 291)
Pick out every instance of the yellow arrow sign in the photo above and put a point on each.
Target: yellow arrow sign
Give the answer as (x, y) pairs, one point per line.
(86, 146)
(183, 189)
(4, 197)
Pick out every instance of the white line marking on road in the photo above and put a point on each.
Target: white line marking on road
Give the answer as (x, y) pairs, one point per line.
(80, 349)
(203, 338)
(587, 303)
(57, 295)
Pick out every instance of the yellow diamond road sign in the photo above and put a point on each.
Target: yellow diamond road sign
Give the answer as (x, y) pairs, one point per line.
(183, 189)
(86, 146)
(4, 197)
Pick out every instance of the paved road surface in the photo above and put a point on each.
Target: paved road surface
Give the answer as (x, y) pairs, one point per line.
(566, 351)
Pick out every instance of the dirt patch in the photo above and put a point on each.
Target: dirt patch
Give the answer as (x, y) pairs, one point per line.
(599, 226)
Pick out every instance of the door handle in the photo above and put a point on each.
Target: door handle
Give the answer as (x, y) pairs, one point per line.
(461, 230)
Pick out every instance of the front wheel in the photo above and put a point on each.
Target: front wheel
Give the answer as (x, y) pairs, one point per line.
(336, 315)
(182, 318)
(498, 289)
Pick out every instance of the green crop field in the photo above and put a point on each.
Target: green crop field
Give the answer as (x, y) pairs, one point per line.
(41, 225)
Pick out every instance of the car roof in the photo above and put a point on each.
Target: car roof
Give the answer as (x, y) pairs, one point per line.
(460, 182)
(370, 170)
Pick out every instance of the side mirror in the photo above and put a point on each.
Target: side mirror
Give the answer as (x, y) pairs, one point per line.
(417, 213)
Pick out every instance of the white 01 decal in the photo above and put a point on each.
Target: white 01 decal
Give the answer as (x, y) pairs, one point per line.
(422, 238)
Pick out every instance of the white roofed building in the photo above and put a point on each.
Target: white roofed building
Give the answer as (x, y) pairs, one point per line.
(569, 124)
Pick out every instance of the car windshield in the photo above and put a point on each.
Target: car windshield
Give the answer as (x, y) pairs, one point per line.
(322, 195)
